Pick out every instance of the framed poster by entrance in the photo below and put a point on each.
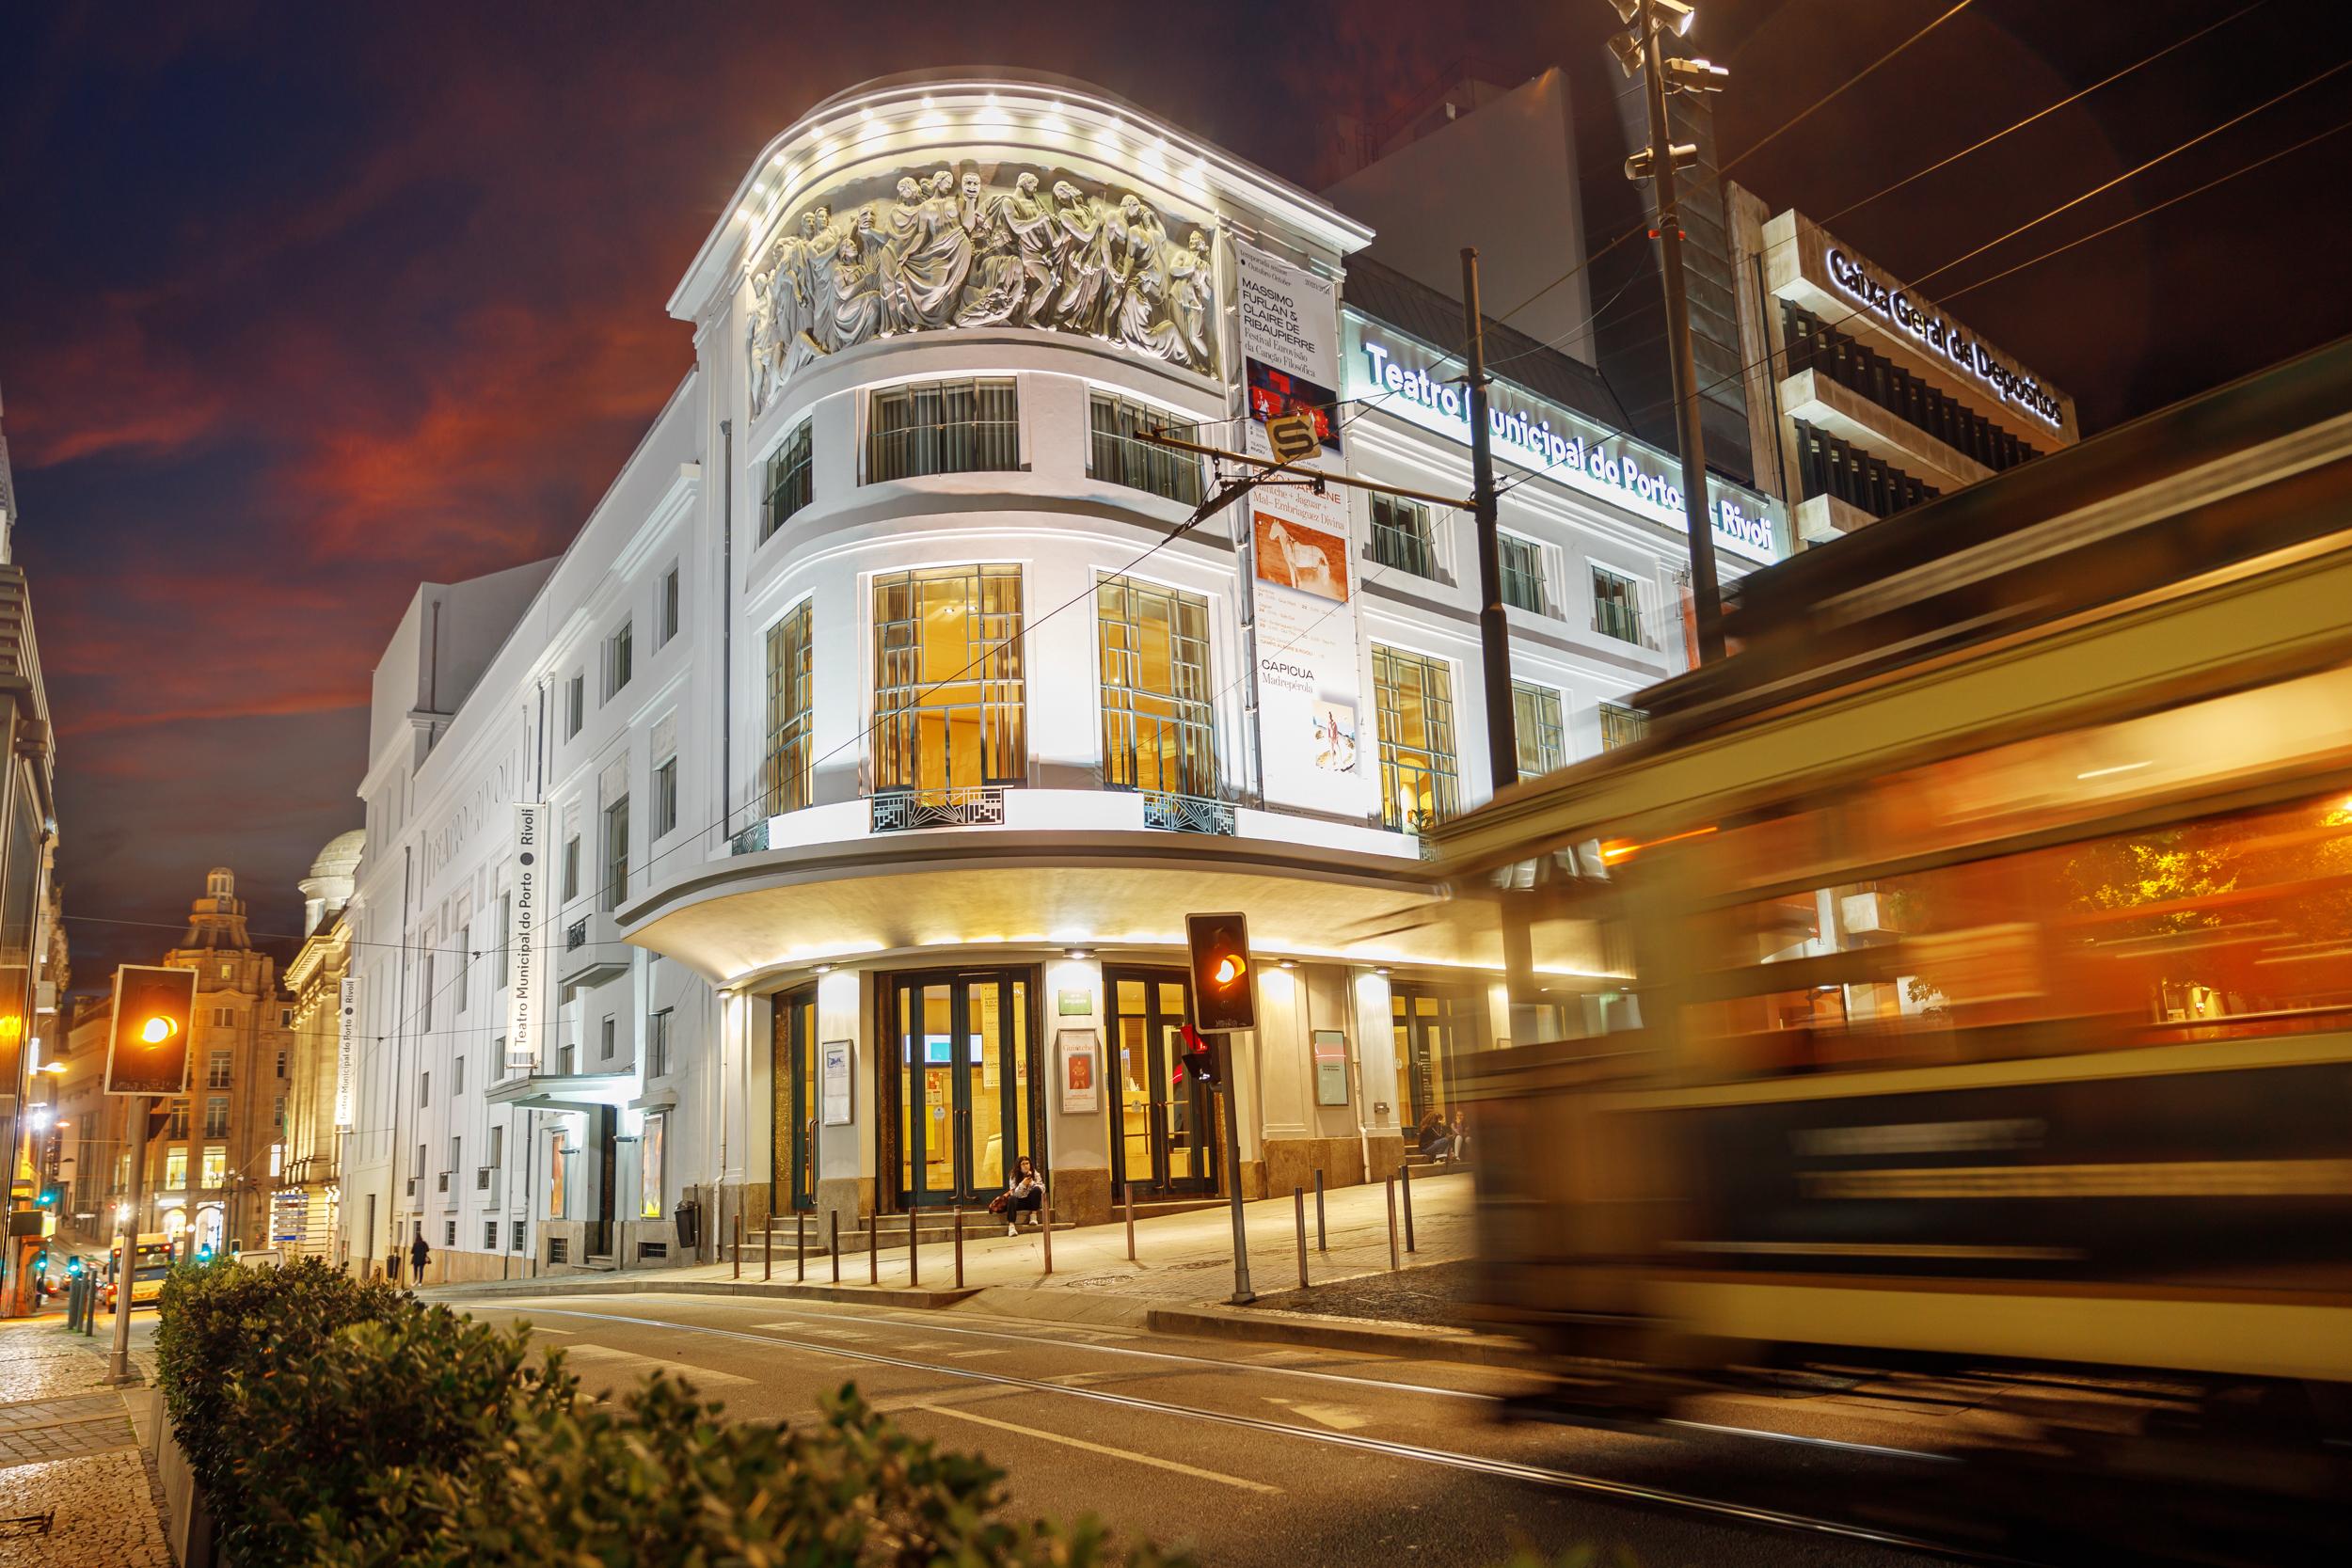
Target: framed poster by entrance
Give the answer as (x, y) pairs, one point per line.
(834, 1086)
(1081, 1060)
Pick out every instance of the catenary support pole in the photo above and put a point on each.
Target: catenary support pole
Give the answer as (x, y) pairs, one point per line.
(1706, 595)
(1494, 629)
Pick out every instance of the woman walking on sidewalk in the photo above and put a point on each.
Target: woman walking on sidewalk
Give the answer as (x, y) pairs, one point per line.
(419, 1254)
(1023, 1195)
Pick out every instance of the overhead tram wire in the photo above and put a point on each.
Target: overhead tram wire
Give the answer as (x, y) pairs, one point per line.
(2055, 250)
(2040, 114)
(1805, 113)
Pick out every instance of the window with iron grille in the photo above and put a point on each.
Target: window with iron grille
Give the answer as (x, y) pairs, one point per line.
(1522, 574)
(665, 798)
(620, 658)
(949, 694)
(490, 1235)
(1402, 535)
(943, 427)
(179, 1125)
(1418, 767)
(1159, 728)
(665, 608)
(791, 479)
(1116, 451)
(520, 1243)
(615, 854)
(658, 1044)
(217, 1071)
(1616, 606)
(449, 1235)
(217, 1117)
(792, 696)
(1621, 725)
(1536, 721)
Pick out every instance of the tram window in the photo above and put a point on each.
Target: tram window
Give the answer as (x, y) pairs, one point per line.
(2210, 928)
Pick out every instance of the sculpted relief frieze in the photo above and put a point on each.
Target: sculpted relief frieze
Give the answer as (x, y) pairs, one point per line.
(949, 248)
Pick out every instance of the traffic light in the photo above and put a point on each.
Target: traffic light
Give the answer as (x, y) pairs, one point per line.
(1199, 1061)
(147, 1050)
(1224, 990)
(50, 1192)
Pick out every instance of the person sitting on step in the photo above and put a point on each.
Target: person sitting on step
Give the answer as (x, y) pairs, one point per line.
(1023, 1195)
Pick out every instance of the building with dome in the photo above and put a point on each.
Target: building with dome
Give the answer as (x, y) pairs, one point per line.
(306, 1201)
(815, 832)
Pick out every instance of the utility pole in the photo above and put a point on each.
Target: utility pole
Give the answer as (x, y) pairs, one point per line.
(1494, 631)
(1656, 165)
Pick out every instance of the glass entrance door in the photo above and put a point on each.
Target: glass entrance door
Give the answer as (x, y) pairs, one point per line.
(1431, 1029)
(1166, 1139)
(965, 1112)
(792, 1076)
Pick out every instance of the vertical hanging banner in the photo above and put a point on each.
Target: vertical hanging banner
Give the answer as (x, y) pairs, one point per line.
(1310, 673)
(522, 935)
(346, 1049)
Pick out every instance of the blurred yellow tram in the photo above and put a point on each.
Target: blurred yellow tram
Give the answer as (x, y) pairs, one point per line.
(1987, 922)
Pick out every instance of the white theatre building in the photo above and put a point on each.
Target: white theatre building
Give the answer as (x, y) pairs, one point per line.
(887, 720)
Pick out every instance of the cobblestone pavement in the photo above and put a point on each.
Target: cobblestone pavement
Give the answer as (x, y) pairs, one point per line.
(1432, 1295)
(75, 1489)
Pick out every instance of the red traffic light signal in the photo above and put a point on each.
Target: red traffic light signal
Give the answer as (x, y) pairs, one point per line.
(1201, 1062)
(147, 1050)
(1224, 987)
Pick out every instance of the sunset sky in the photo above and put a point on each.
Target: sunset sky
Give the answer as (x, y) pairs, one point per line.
(302, 304)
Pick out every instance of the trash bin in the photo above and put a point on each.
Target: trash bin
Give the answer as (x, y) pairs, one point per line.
(688, 1219)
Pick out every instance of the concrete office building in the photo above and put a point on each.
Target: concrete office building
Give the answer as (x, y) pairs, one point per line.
(1865, 397)
(886, 717)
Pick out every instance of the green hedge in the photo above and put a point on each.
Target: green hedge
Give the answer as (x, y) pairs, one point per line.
(336, 1423)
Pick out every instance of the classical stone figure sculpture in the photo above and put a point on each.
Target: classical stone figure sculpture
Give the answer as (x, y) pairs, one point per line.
(951, 252)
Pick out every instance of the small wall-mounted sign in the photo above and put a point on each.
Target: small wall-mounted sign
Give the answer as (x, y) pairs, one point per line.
(1075, 1002)
(1330, 1047)
(1080, 1052)
(833, 1087)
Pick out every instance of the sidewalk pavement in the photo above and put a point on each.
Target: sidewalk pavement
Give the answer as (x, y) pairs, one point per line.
(78, 1489)
(1181, 1278)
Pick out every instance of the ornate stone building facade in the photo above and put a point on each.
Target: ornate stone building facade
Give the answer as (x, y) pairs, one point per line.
(307, 1197)
(887, 715)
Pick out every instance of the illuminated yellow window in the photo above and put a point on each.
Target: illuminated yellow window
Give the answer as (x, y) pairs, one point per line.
(1536, 721)
(1158, 726)
(1417, 762)
(949, 693)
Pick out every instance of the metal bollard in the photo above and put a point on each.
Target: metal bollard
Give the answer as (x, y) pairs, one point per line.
(738, 1243)
(1045, 1217)
(1131, 1221)
(959, 1246)
(1323, 1241)
(914, 1229)
(833, 1219)
(799, 1248)
(767, 1249)
(873, 1250)
(1298, 1208)
(1406, 1172)
(1395, 1261)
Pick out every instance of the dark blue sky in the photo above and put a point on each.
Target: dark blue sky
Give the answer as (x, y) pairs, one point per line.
(301, 304)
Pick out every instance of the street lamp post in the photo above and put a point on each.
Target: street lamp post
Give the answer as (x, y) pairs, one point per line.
(1656, 164)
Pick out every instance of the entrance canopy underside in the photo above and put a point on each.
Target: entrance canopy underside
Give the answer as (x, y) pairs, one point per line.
(771, 915)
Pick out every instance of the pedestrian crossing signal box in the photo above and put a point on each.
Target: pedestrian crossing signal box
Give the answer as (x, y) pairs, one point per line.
(147, 1050)
(1224, 981)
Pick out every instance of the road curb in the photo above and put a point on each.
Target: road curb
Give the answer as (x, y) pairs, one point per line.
(887, 1295)
(1414, 1341)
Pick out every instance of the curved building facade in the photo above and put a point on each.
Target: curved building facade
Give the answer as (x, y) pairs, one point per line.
(902, 696)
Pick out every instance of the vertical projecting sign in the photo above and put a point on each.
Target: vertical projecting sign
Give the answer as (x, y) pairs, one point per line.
(346, 1049)
(522, 935)
(1309, 665)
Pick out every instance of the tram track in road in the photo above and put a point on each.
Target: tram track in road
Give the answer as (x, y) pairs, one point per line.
(1602, 1487)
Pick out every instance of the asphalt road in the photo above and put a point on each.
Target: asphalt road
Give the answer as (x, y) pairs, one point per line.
(1258, 1455)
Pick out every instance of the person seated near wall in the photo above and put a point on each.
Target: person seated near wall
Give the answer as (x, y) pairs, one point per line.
(1023, 1195)
(1436, 1138)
